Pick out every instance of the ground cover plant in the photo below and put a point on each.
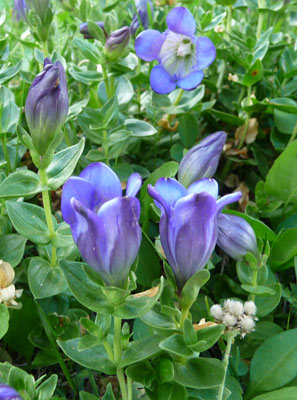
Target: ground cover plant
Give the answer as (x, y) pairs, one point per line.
(148, 199)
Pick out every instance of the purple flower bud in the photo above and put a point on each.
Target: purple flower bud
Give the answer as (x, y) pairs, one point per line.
(47, 105)
(19, 10)
(236, 237)
(142, 10)
(83, 29)
(8, 393)
(201, 161)
(39, 6)
(104, 224)
(188, 225)
(117, 44)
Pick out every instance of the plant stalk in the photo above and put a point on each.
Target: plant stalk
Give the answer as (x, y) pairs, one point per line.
(117, 349)
(231, 336)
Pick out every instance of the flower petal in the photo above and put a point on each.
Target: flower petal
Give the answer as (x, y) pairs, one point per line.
(148, 44)
(206, 52)
(228, 199)
(180, 20)
(207, 185)
(79, 189)
(122, 237)
(106, 183)
(133, 184)
(195, 222)
(161, 81)
(170, 190)
(190, 81)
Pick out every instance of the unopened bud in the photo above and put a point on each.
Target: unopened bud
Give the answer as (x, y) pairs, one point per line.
(84, 30)
(117, 44)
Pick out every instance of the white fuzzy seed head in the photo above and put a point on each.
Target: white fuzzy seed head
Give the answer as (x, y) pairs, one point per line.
(247, 325)
(217, 312)
(228, 305)
(250, 308)
(229, 320)
(236, 308)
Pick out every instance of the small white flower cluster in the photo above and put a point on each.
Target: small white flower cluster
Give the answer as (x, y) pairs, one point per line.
(235, 315)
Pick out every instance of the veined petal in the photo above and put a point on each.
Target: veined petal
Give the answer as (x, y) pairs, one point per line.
(79, 189)
(228, 199)
(88, 233)
(180, 20)
(148, 44)
(207, 185)
(206, 52)
(161, 81)
(170, 190)
(190, 81)
(195, 222)
(122, 237)
(133, 184)
(106, 183)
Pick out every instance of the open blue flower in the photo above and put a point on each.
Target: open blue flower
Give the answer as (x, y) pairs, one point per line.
(181, 55)
(188, 225)
(8, 393)
(104, 224)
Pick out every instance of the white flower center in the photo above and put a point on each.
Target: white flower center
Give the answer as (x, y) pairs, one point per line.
(178, 54)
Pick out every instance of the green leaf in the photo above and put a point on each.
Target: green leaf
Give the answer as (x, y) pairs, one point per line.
(139, 128)
(200, 373)
(85, 290)
(258, 290)
(140, 350)
(207, 337)
(87, 396)
(189, 333)
(167, 170)
(266, 304)
(253, 74)
(283, 249)
(22, 382)
(4, 318)
(63, 164)
(288, 393)
(176, 344)
(188, 130)
(45, 280)
(191, 289)
(10, 72)
(140, 372)
(148, 266)
(21, 183)
(87, 342)
(94, 358)
(29, 221)
(281, 181)
(46, 390)
(159, 321)
(124, 91)
(228, 118)
(165, 370)
(12, 248)
(88, 49)
(108, 395)
(274, 363)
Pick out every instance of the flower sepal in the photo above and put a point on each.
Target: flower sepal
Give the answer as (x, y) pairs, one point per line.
(192, 287)
(87, 287)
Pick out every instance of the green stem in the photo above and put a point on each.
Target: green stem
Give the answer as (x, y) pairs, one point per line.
(105, 146)
(108, 350)
(229, 20)
(254, 283)
(130, 388)
(106, 81)
(231, 336)
(184, 316)
(48, 214)
(293, 136)
(178, 98)
(5, 152)
(50, 335)
(117, 349)
(261, 4)
(246, 124)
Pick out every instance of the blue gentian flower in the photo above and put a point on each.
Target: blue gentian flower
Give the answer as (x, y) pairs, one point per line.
(181, 54)
(201, 161)
(8, 393)
(142, 10)
(104, 224)
(188, 225)
(236, 237)
(19, 9)
(47, 105)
